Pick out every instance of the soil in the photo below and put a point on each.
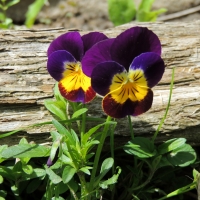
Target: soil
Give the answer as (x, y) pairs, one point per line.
(90, 14)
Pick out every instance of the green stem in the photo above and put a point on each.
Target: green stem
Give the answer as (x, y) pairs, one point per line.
(83, 123)
(112, 155)
(166, 111)
(84, 191)
(130, 127)
(98, 153)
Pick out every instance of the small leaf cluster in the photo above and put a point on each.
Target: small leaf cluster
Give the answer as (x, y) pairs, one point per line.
(6, 22)
(124, 11)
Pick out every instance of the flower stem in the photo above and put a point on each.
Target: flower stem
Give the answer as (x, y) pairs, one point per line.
(168, 104)
(130, 127)
(98, 153)
(83, 122)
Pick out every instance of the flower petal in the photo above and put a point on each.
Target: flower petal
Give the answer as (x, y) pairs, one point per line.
(129, 107)
(70, 42)
(100, 52)
(56, 63)
(92, 38)
(75, 85)
(132, 43)
(102, 76)
(152, 66)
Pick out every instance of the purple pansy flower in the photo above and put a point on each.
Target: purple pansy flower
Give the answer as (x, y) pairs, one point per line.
(124, 70)
(64, 64)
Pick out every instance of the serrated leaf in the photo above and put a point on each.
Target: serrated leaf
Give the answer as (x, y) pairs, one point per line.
(170, 145)
(26, 150)
(79, 112)
(140, 147)
(110, 181)
(53, 177)
(105, 167)
(68, 174)
(121, 11)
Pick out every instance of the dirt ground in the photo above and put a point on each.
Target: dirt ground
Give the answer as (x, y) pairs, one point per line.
(91, 14)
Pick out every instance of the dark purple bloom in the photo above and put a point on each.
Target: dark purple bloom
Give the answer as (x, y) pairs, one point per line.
(64, 64)
(124, 70)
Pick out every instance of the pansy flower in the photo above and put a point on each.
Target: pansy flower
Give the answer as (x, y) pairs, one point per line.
(64, 64)
(124, 70)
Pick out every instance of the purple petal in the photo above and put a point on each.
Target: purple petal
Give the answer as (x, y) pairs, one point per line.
(102, 75)
(49, 162)
(100, 52)
(56, 63)
(134, 108)
(152, 65)
(92, 38)
(132, 43)
(70, 42)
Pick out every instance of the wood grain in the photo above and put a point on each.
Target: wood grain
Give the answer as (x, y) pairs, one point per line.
(25, 84)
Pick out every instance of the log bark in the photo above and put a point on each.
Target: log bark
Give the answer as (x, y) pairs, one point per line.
(25, 84)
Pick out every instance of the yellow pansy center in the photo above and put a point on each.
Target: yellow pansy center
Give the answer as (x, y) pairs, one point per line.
(132, 85)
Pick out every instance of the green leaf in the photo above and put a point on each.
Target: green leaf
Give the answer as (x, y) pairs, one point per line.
(53, 177)
(79, 112)
(68, 174)
(87, 135)
(58, 108)
(61, 187)
(85, 170)
(57, 94)
(26, 150)
(33, 11)
(55, 135)
(33, 185)
(37, 173)
(3, 194)
(156, 162)
(146, 5)
(170, 145)
(140, 147)
(182, 156)
(63, 131)
(7, 173)
(105, 167)
(12, 3)
(23, 141)
(54, 148)
(2, 148)
(144, 16)
(110, 181)
(121, 11)
(27, 169)
(1, 179)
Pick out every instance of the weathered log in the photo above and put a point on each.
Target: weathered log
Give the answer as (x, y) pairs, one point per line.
(25, 84)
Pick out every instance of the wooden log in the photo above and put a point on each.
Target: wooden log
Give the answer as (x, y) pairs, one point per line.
(25, 84)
